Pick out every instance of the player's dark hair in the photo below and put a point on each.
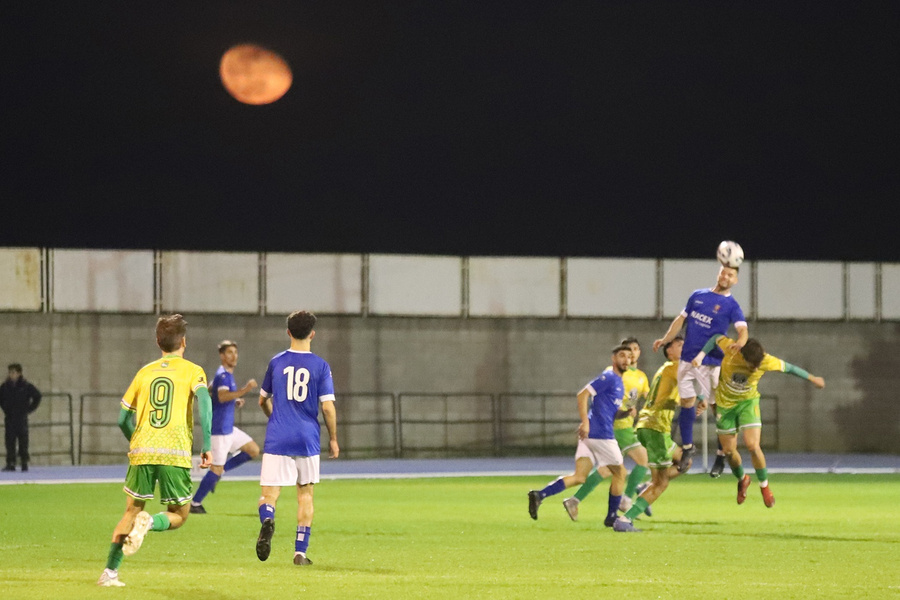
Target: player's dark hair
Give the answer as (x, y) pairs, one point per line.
(300, 323)
(15, 367)
(753, 353)
(677, 338)
(619, 348)
(225, 345)
(629, 341)
(170, 330)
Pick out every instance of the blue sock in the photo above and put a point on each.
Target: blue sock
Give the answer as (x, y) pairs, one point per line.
(554, 487)
(266, 511)
(207, 484)
(686, 425)
(302, 542)
(613, 505)
(236, 460)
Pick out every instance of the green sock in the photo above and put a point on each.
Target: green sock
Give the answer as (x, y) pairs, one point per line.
(114, 559)
(639, 506)
(638, 474)
(738, 471)
(161, 522)
(592, 481)
(762, 474)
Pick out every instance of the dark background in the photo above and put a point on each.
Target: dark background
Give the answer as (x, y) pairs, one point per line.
(651, 129)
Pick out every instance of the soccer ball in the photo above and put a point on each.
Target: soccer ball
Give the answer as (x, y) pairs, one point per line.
(730, 254)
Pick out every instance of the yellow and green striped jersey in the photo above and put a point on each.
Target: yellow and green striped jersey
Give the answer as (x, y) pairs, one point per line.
(162, 395)
(662, 400)
(636, 387)
(737, 382)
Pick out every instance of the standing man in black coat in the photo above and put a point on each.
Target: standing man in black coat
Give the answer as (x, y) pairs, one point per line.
(18, 398)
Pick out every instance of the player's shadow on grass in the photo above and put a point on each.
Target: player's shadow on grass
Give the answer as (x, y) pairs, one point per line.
(349, 570)
(783, 536)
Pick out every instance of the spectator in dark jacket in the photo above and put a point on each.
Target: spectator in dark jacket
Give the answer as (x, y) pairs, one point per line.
(18, 398)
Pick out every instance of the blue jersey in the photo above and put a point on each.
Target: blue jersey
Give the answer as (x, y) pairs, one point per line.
(707, 314)
(607, 391)
(296, 381)
(222, 413)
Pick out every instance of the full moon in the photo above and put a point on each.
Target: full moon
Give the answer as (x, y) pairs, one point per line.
(254, 75)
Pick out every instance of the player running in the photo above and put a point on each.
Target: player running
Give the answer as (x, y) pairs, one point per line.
(160, 397)
(636, 388)
(737, 398)
(597, 406)
(226, 438)
(654, 430)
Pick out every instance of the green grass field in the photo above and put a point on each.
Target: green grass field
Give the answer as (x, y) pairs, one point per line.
(828, 536)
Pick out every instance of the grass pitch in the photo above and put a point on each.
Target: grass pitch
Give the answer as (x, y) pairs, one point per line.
(828, 536)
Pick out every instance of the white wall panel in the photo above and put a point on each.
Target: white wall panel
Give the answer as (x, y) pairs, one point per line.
(890, 291)
(103, 280)
(213, 282)
(600, 287)
(20, 274)
(800, 290)
(415, 285)
(322, 283)
(682, 277)
(861, 284)
(512, 287)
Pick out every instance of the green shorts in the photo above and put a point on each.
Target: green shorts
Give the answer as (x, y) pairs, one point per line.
(659, 447)
(174, 483)
(626, 439)
(743, 415)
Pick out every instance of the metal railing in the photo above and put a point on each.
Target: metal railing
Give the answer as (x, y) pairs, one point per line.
(111, 441)
(43, 436)
(413, 424)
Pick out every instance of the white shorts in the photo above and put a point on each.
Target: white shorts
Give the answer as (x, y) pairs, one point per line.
(706, 378)
(601, 452)
(223, 445)
(281, 471)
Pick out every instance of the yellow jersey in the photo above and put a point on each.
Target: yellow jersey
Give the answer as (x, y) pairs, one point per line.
(162, 395)
(737, 382)
(636, 387)
(662, 400)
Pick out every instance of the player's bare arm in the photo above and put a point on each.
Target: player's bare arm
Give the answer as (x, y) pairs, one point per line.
(330, 416)
(584, 428)
(743, 336)
(266, 405)
(674, 328)
(226, 395)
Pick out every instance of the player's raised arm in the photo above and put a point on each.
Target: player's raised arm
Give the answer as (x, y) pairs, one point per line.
(819, 382)
(674, 328)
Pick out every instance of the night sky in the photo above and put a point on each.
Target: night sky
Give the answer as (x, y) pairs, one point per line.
(648, 129)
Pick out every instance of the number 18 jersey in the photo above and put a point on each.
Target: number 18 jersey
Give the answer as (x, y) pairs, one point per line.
(296, 381)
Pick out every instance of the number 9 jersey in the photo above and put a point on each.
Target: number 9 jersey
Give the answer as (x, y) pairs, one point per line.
(162, 396)
(297, 382)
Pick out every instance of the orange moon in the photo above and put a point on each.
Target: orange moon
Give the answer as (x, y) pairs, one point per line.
(254, 75)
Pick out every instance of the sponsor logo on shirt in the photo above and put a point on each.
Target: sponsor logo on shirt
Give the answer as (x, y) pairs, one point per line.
(701, 317)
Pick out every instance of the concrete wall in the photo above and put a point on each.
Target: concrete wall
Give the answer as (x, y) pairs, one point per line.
(86, 353)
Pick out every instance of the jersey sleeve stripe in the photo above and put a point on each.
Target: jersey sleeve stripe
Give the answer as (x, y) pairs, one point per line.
(264, 393)
(126, 406)
(326, 398)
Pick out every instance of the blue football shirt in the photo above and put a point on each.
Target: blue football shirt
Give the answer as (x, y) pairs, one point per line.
(607, 392)
(707, 314)
(296, 381)
(222, 413)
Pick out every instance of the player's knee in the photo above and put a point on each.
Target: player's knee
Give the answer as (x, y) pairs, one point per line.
(252, 449)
